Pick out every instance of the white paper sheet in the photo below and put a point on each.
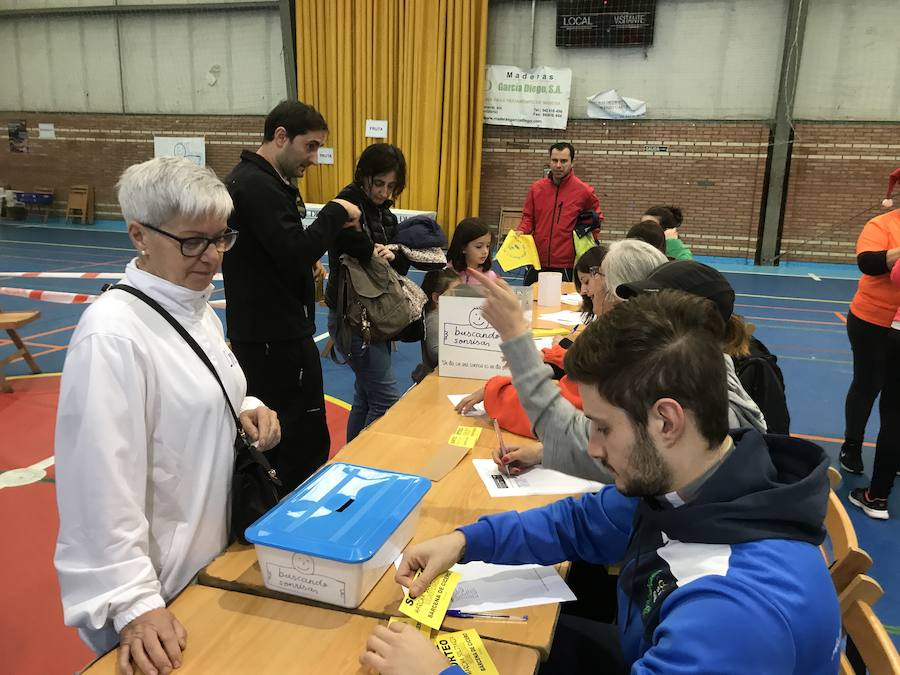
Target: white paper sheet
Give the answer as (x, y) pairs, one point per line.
(477, 411)
(543, 342)
(536, 481)
(488, 588)
(572, 299)
(565, 317)
(484, 587)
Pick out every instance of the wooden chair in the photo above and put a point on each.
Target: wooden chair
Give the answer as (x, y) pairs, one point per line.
(11, 322)
(847, 559)
(834, 477)
(509, 220)
(80, 203)
(864, 629)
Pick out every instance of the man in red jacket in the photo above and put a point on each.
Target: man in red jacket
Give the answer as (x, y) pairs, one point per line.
(550, 211)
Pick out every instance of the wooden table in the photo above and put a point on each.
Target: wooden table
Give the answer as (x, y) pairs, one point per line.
(240, 633)
(458, 499)
(425, 413)
(401, 441)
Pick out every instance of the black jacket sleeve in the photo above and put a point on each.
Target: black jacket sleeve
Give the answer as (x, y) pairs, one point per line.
(354, 243)
(279, 233)
(872, 263)
(400, 263)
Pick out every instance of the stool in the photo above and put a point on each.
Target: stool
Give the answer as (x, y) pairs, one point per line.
(11, 322)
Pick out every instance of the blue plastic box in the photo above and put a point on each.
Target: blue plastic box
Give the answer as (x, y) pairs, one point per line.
(332, 538)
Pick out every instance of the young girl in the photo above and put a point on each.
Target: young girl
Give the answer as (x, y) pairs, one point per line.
(471, 248)
(435, 284)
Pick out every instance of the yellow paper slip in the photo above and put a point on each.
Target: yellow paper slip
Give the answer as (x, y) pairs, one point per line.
(548, 332)
(518, 250)
(418, 625)
(430, 607)
(466, 650)
(465, 437)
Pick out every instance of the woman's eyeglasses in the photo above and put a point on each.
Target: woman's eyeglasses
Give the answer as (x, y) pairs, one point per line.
(194, 247)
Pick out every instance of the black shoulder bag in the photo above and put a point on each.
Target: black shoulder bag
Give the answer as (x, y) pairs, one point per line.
(254, 485)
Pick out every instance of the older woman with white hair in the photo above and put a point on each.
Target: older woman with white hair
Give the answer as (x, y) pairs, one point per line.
(144, 438)
(523, 410)
(627, 260)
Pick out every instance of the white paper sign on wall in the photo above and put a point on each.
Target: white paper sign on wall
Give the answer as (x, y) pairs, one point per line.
(46, 131)
(376, 128)
(192, 148)
(326, 155)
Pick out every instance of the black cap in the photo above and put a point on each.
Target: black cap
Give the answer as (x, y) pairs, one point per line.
(688, 276)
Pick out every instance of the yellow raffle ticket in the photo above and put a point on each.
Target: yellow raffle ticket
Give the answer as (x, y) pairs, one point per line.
(466, 650)
(419, 626)
(465, 437)
(430, 607)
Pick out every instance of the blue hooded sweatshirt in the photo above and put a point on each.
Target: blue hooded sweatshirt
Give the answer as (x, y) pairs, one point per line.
(730, 582)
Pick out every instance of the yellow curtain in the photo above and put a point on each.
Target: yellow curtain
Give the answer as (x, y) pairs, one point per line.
(419, 64)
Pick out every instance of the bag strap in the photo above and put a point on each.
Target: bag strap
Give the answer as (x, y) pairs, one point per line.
(192, 343)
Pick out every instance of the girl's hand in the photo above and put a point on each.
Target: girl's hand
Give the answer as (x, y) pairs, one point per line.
(470, 401)
(383, 251)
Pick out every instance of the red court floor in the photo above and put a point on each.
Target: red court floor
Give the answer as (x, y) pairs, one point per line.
(33, 639)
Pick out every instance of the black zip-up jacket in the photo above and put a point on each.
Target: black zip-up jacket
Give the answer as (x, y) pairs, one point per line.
(269, 284)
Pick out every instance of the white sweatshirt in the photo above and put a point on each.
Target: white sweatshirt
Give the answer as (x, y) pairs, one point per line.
(144, 455)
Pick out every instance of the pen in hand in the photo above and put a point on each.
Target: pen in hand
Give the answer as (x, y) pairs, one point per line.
(503, 448)
(486, 615)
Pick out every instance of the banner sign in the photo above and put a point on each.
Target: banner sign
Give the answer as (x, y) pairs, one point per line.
(527, 98)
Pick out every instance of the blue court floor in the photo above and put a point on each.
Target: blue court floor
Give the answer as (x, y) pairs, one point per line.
(799, 311)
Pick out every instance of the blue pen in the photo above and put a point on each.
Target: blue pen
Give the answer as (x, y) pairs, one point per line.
(486, 615)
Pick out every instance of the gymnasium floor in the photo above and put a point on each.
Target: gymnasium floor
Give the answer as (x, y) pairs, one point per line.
(799, 311)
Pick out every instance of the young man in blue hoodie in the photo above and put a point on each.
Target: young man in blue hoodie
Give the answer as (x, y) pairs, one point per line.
(717, 533)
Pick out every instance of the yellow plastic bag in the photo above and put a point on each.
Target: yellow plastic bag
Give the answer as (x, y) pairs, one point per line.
(517, 251)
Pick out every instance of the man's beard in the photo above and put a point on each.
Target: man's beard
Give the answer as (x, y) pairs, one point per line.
(648, 474)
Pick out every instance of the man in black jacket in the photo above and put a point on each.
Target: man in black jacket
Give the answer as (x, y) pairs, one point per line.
(269, 284)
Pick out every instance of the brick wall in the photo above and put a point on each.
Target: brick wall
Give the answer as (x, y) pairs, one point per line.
(838, 177)
(713, 170)
(95, 149)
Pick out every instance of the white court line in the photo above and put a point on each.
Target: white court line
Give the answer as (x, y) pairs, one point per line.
(25, 475)
(786, 297)
(48, 243)
(321, 337)
(786, 275)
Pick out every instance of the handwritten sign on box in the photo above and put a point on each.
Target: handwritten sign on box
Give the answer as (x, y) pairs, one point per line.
(468, 345)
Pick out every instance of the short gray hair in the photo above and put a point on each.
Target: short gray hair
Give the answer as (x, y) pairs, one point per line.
(164, 188)
(630, 260)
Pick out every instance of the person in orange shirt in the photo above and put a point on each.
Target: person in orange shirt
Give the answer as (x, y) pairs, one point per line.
(868, 327)
(893, 179)
(873, 500)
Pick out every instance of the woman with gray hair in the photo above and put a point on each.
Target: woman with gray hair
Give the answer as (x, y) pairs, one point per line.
(144, 440)
(626, 261)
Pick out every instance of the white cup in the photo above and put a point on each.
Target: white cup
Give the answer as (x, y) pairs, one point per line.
(549, 289)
